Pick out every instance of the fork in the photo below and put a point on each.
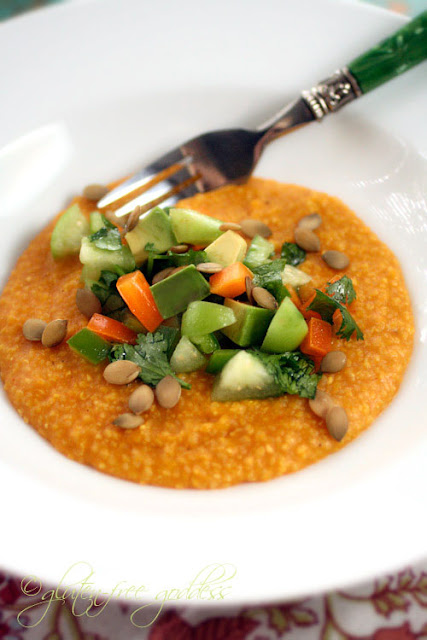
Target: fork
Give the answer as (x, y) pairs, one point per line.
(218, 158)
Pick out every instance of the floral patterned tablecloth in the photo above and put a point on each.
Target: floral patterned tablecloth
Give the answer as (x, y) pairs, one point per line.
(392, 607)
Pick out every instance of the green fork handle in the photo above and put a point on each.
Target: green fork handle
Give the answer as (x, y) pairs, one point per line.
(393, 56)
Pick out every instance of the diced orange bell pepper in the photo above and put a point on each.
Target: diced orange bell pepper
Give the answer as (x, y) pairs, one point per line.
(336, 320)
(231, 281)
(317, 362)
(135, 291)
(318, 341)
(111, 329)
(294, 296)
(306, 312)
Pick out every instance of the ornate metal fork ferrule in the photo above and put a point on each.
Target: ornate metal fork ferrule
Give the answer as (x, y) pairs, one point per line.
(332, 94)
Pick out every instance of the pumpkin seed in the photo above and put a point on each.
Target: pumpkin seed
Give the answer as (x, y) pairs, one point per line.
(333, 362)
(33, 329)
(141, 399)
(161, 275)
(230, 226)
(168, 392)
(133, 219)
(179, 248)
(209, 267)
(54, 333)
(128, 421)
(306, 239)
(264, 298)
(249, 289)
(184, 266)
(311, 221)
(336, 259)
(321, 403)
(252, 228)
(87, 302)
(337, 422)
(121, 372)
(95, 192)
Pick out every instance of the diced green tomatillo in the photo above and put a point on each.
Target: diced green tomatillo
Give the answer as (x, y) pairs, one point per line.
(187, 357)
(227, 249)
(96, 221)
(287, 329)
(97, 260)
(251, 323)
(202, 318)
(173, 294)
(192, 227)
(244, 377)
(219, 359)
(89, 345)
(68, 232)
(206, 344)
(260, 251)
(295, 277)
(154, 229)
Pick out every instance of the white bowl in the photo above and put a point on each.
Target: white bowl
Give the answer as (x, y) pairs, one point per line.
(96, 89)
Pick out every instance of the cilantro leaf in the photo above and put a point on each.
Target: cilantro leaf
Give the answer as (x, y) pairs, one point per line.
(342, 290)
(292, 253)
(107, 239)
(170, 259)
(106, 285)
(269, 276)
(327, 306)
(151, 354)
(107, 223)
(184, 259)
(292, 371)
(153, 254)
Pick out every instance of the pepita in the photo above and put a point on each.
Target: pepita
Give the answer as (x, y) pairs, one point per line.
(121, 372)
(54, 333)
(33, 329)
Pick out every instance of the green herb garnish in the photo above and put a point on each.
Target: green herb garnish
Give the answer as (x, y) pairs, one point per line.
(292, 371)
(106, 285)
(269, 276)
(151, 354)
(292, 253)
(327, 306)
(342, 290)
(107, 238)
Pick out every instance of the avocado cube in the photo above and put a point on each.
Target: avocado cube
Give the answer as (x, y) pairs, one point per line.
(287, 329)
(153, 228)
(251, 323)
(227, 249)
(173, 294)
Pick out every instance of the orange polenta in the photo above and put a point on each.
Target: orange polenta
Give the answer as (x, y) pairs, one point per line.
(199, 443)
